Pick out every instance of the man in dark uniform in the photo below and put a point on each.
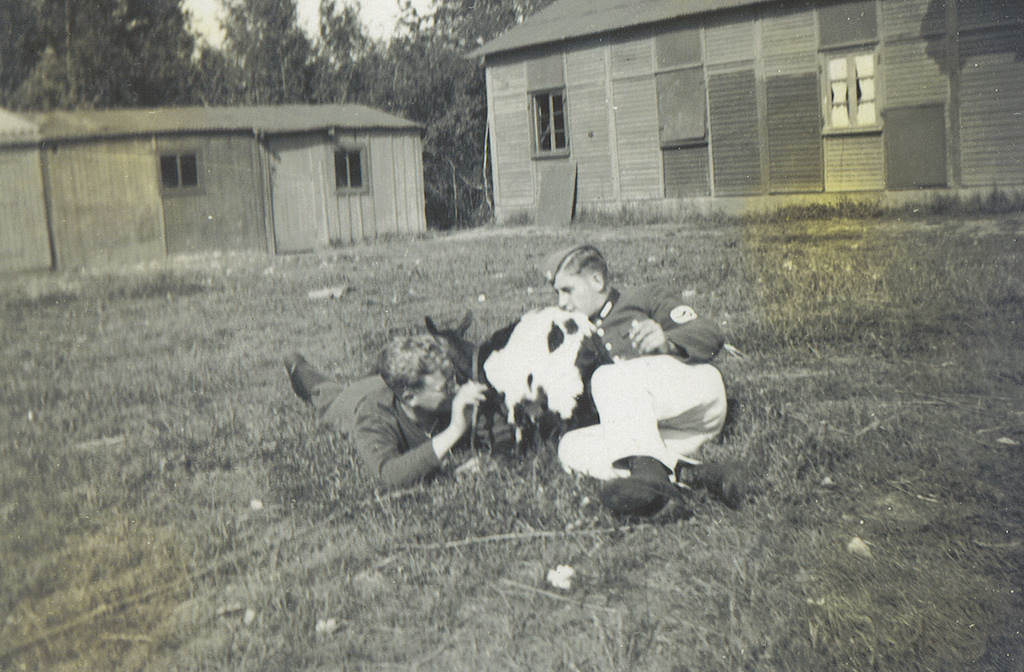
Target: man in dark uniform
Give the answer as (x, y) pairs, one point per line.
(660, 399)
(405, 421)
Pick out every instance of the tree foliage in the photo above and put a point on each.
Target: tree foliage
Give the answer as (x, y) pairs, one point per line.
(101, 53)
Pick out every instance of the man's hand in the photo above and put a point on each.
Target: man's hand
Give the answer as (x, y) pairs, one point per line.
(468, 395)
(648, 337)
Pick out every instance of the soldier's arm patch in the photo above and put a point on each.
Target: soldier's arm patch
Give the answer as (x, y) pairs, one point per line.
(682, 314)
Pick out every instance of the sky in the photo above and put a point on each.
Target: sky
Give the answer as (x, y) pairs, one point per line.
(378, 16)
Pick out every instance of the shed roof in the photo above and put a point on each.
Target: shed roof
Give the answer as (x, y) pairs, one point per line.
(78, 124)
(569, 19)
(14, 128)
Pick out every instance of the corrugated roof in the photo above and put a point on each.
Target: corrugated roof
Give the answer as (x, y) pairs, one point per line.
(569, 19)
(265, 118)
(15, 129)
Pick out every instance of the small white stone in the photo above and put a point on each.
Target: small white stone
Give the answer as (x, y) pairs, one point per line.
(256, 504)
(250, 616)
(858, 546)
(561, 577)
(481, 298)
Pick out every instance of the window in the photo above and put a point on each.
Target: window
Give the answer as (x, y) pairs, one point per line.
(852, 94)
(549, 133)
(179, 171)
(348, 168)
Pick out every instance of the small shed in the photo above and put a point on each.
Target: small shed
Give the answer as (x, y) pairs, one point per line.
(751, 102)
(123, 186)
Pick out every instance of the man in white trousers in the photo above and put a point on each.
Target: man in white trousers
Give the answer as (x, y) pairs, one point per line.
(658, 401)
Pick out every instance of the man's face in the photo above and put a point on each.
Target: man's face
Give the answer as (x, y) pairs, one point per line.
(583, 292)
(435, 393)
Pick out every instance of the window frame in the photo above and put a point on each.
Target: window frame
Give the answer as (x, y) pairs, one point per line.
(364, 171)
(179, 188)
(535, 144)
(853, 87)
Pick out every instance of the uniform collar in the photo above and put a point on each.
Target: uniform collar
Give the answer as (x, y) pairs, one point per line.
(599, 316)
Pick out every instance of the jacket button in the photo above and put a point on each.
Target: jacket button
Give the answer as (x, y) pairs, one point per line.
(600, 332)
(607, 346)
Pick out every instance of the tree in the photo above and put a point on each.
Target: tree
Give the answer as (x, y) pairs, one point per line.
(21, 45)
(107, 53)
(341, 48)
(270, 53)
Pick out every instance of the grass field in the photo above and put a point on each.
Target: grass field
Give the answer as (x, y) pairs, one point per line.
(148, 418)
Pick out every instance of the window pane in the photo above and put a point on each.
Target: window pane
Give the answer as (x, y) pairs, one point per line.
(189, 170)
(541, 102)
(839, 93)
(866, 113)
(837, 68)
(355, 170)
(169, 170)
(867, 89)
(840, 116)
(340, 169)
(865, 64)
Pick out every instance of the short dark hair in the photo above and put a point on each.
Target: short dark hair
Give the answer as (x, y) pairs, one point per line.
(585, 259)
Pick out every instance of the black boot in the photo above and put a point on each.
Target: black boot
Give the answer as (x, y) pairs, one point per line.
(645, 492)
(303, 376)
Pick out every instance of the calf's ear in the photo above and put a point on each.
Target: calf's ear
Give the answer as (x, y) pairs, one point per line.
(464, 325)
(431, 327)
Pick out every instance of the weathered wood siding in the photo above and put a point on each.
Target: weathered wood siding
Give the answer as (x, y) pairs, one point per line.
(729, 41)
(24, 239)
(396, 182)
(225, 212)
(913, 72)
(105, 202)
(991, 106)
(589, 136)
(686, 171)
(902, 19)
(299, 188)
(789, 41)
(854, 162)
(510, 134)
(736, 154)
(635, 102)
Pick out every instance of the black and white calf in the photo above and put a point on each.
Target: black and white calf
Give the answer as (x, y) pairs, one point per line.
(539, 366)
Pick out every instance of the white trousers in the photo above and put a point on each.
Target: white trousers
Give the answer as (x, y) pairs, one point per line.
(655, 405)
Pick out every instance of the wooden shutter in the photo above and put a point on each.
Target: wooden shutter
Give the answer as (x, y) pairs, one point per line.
(794, 134)
(681, 106)
(915, 147)
(734, 137)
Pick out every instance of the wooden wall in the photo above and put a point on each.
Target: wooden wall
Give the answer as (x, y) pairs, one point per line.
(24, 240)
(310, 212)
(225, 212)
(958, 69)
(105, 205)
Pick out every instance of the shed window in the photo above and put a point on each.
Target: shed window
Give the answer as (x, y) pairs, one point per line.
(348, 168)
(852, 95)
(549, 132)
(179, 171)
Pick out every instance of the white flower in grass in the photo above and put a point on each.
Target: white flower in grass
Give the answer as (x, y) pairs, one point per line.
(256, 504)
(250, 616)
(561, 577)
(481, 298)
(326, 626)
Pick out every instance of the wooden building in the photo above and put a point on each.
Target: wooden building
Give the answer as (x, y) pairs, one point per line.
(122, 186)
(745, 103)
